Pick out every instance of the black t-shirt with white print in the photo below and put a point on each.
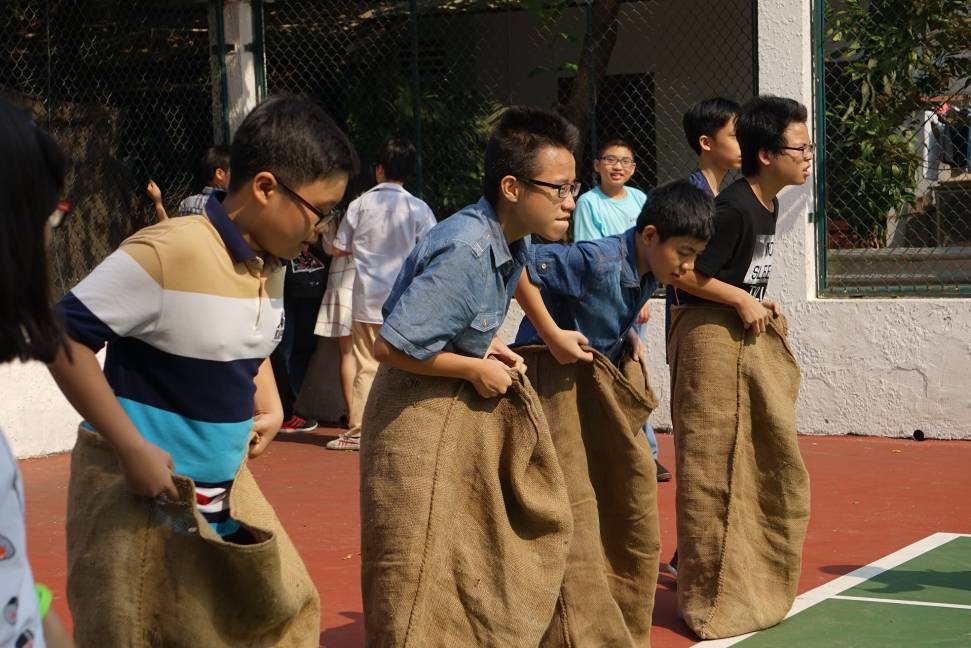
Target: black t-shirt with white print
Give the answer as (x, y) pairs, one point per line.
(740, 252)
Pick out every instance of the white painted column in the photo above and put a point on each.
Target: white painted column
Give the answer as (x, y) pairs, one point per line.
(240, 62)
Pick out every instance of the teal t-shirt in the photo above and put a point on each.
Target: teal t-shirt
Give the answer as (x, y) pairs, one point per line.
(597, 215)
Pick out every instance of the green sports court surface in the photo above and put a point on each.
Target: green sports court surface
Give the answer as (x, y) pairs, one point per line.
(916, 597)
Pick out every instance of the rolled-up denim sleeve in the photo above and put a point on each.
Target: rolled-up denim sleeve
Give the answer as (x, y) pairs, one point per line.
(440, 301)
(562, 270)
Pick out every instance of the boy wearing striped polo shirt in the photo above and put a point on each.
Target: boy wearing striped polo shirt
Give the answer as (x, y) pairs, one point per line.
(190, 309)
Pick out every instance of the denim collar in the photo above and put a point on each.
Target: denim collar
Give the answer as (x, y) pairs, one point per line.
(230, 234)
(630, 276)
(502, 252)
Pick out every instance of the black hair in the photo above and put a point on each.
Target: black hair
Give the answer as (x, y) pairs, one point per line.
(215, 157)
(614, 141)
(761, 125)
(707, 117)
(518, 134)
(292, 138)
(397, 158)
(32, 176)
(678, 208)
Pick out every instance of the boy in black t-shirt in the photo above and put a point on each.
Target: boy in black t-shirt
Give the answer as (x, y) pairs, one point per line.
(733, 389)
(734, 269)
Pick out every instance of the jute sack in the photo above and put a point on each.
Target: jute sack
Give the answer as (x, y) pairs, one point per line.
(145, 574)
(743, 490)
(596, 414)
(465, 520)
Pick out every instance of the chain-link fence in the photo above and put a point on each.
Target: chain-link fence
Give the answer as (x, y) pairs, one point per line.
(894, 84)
(124, 87)
(436, 71)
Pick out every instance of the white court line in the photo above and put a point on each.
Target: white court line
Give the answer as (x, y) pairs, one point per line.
(900, 602)
(854, 578)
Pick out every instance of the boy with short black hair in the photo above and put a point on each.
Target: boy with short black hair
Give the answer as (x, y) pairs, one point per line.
(612, 208)
(439, 333)
(381, 228)
(598, 287)
(190, 309)
(734, 383)
(709, 127)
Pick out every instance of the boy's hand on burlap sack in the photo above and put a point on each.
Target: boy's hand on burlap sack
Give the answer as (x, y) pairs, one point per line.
(753, 313)
(567, 347)
(501, 352)
(490, 377)
(148, 469)
(773, 307)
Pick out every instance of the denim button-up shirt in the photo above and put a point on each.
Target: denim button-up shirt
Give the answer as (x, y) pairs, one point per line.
(453, 291)
(592, 287)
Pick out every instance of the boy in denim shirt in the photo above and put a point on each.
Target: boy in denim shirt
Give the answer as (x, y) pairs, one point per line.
(598, 287)
(453, 291)
(440, 321)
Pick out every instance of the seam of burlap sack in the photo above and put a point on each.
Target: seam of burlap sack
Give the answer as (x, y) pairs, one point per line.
(422, 581)
(565, 620)
(519, 385)
(731, 485)
(775, 328)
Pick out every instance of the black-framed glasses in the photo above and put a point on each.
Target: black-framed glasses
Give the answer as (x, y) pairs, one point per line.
(303, 201)
(570, 188)
(807, 150)
(613, 160)
(60, 212)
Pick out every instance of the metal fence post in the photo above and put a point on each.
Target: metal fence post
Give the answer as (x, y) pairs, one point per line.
(416, 95)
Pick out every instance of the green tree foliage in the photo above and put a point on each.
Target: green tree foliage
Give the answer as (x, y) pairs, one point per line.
(890, 57)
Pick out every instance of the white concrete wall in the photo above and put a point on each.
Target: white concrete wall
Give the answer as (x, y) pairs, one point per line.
(34, 415)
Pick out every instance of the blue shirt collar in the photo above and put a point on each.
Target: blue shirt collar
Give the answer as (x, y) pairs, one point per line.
(502, 252)
(630, 276)
(230, 234)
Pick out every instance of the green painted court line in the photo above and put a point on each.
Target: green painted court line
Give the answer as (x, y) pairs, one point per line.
(862, 624)
(942, 575)
(899, 602)
(844, 584)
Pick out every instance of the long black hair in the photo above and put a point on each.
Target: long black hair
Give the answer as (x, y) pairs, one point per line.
(31, 183)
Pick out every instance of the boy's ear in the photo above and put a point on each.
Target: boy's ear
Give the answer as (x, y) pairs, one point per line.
(648, 233)
(261, 186)
(510, 188)
(705, 143)
(597, 164)
(765, 158)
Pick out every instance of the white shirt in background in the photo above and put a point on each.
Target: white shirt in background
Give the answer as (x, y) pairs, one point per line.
(380, 229)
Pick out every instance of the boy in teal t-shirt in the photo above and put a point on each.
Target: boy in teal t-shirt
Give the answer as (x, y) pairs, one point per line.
(611, 207)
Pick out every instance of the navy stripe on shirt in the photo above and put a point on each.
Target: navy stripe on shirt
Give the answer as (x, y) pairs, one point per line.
(205, 390)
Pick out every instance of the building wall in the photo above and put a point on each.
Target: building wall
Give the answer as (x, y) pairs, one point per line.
(883, 367)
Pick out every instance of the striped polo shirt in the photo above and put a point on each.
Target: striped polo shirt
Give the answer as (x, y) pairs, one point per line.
(189, 312)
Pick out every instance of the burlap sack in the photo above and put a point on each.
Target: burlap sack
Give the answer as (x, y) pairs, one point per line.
(471, 536)
(596, 415)
(743, 491)
(465, 521)
(145, 574)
